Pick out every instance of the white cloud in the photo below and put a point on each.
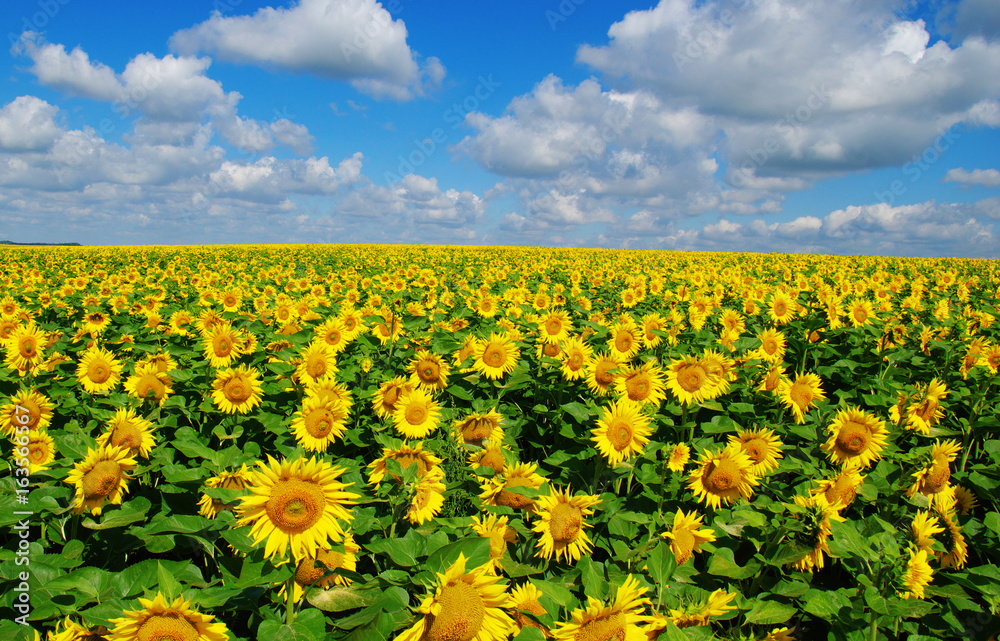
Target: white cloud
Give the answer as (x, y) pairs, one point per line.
(984, 177)
(28, 124)
(271, 180)
(70, 72)
(414, 200)
(354, 40)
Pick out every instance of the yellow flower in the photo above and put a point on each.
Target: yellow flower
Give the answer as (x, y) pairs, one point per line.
(37, 448)
(296, 505)
(817, 531)
(763, 448)
(602, 370)
(236, 480)
(772, 346)
(319, 422)
(700, 613)
(781, 308)
(101, 477)
(624, 340)
(801, 394)
(622, 431)
(678, 457)
(416, 414)
(496, 530)
(428, 497)
(619, 620)
(465, 605)
(496, 491)
(159, 621)
(692, 380)
(429, 371)
(28, 409)
(131, 431)
(318, 360)
(643, 384)
(561, 525)
(236, 390)
(924, 526)
(917, 575)
(25, 348)
(685, 537)
(525, 598)
(221, 344)
(98, 371)
(479, 428)
(406, 455)
(855, 437)
(935, 476)
(723, 477)
(149, 380)
(495, 357)
(840, 491)
(317, 571)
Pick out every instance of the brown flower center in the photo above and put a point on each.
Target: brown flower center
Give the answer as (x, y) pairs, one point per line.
(853, 438)
(295, 505)
(169, 626)
(319, 422)
(493, 355)
(606, 628)
(620, 434)
(623, 341)
(516, 501)
(99, 371)
(128, 435)
(755, 448)
(416, 414)
(101, 480)
(236, 390)
(566, 522)
(461, 615)
(683, 544)
(692, 378)
(723, 476)
(638, 386)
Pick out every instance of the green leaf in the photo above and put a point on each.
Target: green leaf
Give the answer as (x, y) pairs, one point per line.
(724, 564)
(167, 583)
(579, 411)
(846, 541)
(476, 550)
(339, 598)
(131, 511)
(825, 604)
(661, 563)
(770, 612)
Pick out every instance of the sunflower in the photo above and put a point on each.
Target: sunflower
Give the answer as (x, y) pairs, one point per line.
(317, 361)
(722, 477)
(685, 537)
(620, 620)
(428, 497)
(924, 526)
(101, 477)
(496, 491)
(236, 480)
(678, 456)
(465, 605)
(781, 308)
(319, 422)
(842, 488)
(221, 344)
(149, 380)
(622, 431)
(700, 612)
(624, 339)
(495, 529)
(525, 598)
(428, 371)
(780, 634)
(159, 621)
(406, 455)
(236, 390)
(773, 379)
(318, 571)
(561, 524)
(935, 475)
(642, 384)
(98, 371)
(691, 381)
(95, 322)
(855, 436)
(924, 412)
(491, 456)
(131, 431)
(333, 333)
(801, 394)
(495, 357)
(27, 409)
(72, 631)
(295, 504)
(651, 324)
(861, 312)
(956, 549)
(416, 414)
(25, 348)
(602, 370)
(328, 389)
(917, 575)
(965, 500)
(554, 327)
(479, 428)
(816, 518)
(772, 346)
(38, 451)
(763, 448)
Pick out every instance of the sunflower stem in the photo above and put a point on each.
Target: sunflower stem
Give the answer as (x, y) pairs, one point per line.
(873, 627)
(290, 600)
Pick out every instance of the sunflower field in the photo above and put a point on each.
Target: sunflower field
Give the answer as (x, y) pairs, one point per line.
(310, 443)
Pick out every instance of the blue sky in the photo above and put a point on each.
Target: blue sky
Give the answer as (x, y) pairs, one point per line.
(846, 127)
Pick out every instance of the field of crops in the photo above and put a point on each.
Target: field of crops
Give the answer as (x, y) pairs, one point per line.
(454, 444)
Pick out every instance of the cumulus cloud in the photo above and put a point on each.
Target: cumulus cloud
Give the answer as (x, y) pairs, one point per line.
(28, 124)
(272, 180)
(354, 40)
(414, 200)
(984, 177)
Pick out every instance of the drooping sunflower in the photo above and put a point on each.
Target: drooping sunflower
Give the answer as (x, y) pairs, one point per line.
(406, 455)
(317, 361)
(25, 348)
(842, 488)
(101, 477)
(642, 384)
(935, 476)
(678, 456)
(429, 371)
(27, 408)
(917, 575)
(801, 394)
(621, 620)
(561, 524)
(495, 529)
(158, 621)
(622, 431)
(685, 536)
(701, 612)
(763, 448)
(965, 500)
(428, 497)
(295, 505)
(855, 436)
(221, 344)
(236, 390)
(319, 423)
(492, 456)
(496, 491)
(924, 526)
(479, 428)
(723, 477)
(225, 480)
(131, 431)
(924, 408)
(417, 414)
(816, 534)
(149, 381)
(98, 371)
(956, 549)
(465, 605)
(318, 571)
(525, 598)
(39, 451)
(495, 357)
(602, 370)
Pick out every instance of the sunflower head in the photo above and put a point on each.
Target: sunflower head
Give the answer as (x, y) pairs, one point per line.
(101, 477)
(158, 620)
(723, 477)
